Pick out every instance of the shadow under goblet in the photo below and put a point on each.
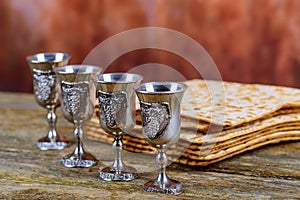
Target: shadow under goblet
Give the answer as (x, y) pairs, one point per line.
(46, 95)
(117, 117)
(78, 98)
(160, 109)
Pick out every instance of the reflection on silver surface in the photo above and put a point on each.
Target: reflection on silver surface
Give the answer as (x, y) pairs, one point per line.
(46, 94)
(78, 98)
(117, 117)
(160, 109)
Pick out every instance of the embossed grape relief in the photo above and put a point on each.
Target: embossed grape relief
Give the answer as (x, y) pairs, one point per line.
(113, 106)
(74, 97)
(155, 118)
(44, 83)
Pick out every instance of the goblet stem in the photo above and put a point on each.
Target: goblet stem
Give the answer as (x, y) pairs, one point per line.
(51, 118)
(117, 147)
(162, 183)
(52, 140)
(162, 160)
(78, 132)
(80, 157)
(118, 171)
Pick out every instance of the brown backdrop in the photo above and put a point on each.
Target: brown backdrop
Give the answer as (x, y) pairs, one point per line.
(251, 41)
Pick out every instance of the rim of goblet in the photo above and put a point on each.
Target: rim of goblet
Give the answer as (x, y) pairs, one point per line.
(96, 78)
(182, 88)
(31, 58)
(63, 69)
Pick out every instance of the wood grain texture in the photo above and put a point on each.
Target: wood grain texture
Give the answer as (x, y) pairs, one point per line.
(272, 172)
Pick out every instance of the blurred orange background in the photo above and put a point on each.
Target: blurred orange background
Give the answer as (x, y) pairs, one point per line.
(251, 41)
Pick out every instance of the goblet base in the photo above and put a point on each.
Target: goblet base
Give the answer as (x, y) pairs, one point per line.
(173, 187)
(83, 160)
(110, 174)
(57, 143)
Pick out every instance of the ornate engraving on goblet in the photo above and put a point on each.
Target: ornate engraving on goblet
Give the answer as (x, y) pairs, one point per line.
(160, 109)
(113, 106)
(78, 98)
(156, 118)
(117, 117)
(46, 95)
(44, 85)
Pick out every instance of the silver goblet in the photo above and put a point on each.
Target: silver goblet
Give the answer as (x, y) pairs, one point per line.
(46, 95)
(78, 98)
(160, 109)
(117, 117)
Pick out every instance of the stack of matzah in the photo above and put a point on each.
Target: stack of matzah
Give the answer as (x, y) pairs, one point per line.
(221, 119)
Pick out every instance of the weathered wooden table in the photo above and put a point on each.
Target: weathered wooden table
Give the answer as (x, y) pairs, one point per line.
(271, 172)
